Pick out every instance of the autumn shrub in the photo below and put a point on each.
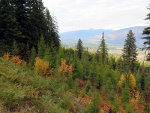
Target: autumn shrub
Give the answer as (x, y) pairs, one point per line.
(121, 80)
(41, 67)
(6, 56)
(128, 78)
(16, 60)
(135, 96)
(65, 69)
(132, 81)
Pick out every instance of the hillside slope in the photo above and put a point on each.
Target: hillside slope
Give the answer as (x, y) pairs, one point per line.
(23, 91)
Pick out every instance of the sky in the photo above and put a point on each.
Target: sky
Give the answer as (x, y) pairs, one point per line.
(98, 14)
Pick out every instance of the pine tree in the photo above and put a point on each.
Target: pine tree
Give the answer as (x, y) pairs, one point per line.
(103, 51)
(41, 47)
(80, 48)
(147, 38)
(129, 53)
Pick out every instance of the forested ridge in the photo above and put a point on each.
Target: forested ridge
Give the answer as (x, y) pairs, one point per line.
(38, 75)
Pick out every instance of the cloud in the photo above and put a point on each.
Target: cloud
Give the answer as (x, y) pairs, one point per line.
(106, 14)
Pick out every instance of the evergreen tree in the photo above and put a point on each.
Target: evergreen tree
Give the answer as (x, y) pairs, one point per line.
(59, 56)
(119, 64)
(47, 55)
(125, 94)
(86, 64)
(103, 51)
(52, 30)
(80, 48)
(77, 69)
(33, 56)
(147, 38)
(41, 47)
(129, 52)
(25, 21)
(112, 62)
(9, 27)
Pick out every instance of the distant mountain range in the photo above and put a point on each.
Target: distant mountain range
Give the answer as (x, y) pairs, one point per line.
(91, 37)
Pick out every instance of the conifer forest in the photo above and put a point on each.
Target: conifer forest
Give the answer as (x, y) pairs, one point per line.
(39, 75)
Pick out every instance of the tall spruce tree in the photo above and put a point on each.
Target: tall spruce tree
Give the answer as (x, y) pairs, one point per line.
(147, 37)
(25, 21)
(80, 48)
(52, 30)
(9, 27)
(129, 53)
(103, 51)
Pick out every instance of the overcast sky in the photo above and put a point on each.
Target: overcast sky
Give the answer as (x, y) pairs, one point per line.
(103, 14)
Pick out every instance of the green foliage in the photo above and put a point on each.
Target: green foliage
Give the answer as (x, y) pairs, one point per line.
(25, 21)
(128, 108)
(129, 53)
(28, 29)
(94, 106)
(13, 96)
(47, 55)
(103, 51)
(71, 83)
(41, 47)
(9, 29)
(20, 85)
(80, 48)
(125, 95)
(77, 69)
(146, 32)
(88, 87)
(33, 56)
(66, 102)
(115, 103)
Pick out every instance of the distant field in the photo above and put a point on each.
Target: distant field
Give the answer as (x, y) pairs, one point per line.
(117, 51)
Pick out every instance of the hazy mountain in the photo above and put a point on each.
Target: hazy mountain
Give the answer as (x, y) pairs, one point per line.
(91, 38)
